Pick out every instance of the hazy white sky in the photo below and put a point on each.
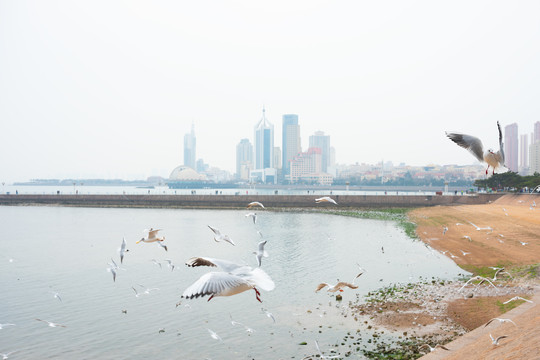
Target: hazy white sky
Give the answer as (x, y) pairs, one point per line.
(109, 88)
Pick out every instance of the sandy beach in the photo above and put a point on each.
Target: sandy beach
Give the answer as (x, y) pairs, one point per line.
(505, 233)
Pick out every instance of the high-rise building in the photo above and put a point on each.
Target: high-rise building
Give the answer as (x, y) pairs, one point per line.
(536, 133)
(307, 166)
(511, 146)
(244, 159)
(277, 157)
(321, 141)
(264, 143)
(534, 158)
(190, 144)
(523, 154)
(290, 141)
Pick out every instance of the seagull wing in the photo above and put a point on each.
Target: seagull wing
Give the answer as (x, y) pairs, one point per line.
(471, 143)
(152, 233)
(226, 265)
(321, 285)
(216, 231)
(501, 145)
(346, 284)
(216, 283)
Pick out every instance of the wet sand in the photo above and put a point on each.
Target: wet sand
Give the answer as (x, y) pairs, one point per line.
(509, 236)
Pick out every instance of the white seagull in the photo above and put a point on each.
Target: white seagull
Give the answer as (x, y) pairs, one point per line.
(321, 354)
(269, 314)
(5, 356)
(326, 199)
(221, 237)
(496, 341)
(501, 321)
(517, 298)
(2, 325)
(467, 237)
(233, 280)
(475, 147)
(253, 216)
(260, 252)
(56, 295)
(151, 236)
(51, 324)
(214, 335)
(337, 287)
(255, 203)
(431, 349)
(122, 250)
(478, 228)
(482, 279)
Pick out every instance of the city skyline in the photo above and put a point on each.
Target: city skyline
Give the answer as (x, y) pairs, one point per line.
(107, 90)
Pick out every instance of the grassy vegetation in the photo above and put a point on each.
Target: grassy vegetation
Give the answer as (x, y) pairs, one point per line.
(399, 215)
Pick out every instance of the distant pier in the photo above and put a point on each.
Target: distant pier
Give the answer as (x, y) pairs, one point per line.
(241, 201)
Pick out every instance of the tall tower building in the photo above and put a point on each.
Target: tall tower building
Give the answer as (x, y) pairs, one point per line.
(511, 146)
(536, 133)
(534, 157)
(523, 152)
(264, 143)
(244, 159)
(290, 141)
(190, 144)
(321, 141)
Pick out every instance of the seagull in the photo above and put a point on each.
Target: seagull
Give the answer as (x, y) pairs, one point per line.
(170, 264)
(5, 356)
(479, 228)
(253, 216)
(260, 234)
(219, 236)
(467, 237)
(501, 321)
(431, 349)
(112, 269)
(122, 250)
(269, 314)
(337, 287)
(500, 271)
(482, 279)
(523, 243)
(51, 324)
(2, 325)
(233, 280)
(56, 295)
(255, 203)
(496, 341)
(517, 298)
(154, 261)
(214, 335)
(260, 252)
(444, 230)
(325, 199)
(474, 145)
(234, 323)
(321, 354)
(151, 236)
(162, 245)
(464, 253)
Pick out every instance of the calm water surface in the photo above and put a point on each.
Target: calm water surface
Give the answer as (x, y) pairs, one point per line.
(66, 250)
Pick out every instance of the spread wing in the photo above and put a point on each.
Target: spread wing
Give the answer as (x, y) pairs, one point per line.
(320, 286)
(343, 284)
(214, 283)
(501, 145)
(226, 265)
(471, 143)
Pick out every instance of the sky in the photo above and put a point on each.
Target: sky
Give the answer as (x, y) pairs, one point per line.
(107, 89)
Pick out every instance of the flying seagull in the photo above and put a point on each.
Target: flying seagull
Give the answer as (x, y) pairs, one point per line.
(221, 237)
(338, 287)
(475, 147)
(431, 349)
(255, 203)
(496, 341)
(501, 321)
(51, 324)
(235, 278)
(517, 298)
(260, 252)
(253, 216)
(151, 236)
(122, 250)
(326, 199)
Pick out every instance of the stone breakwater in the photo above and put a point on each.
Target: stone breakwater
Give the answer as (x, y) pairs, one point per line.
(241, 201)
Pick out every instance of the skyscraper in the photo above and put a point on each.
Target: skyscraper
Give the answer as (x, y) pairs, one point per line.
(321, 141)
(523, 153)
(190, 143)
(534, 158)
(264, 143)
(290, 141)
(511, 146)
(536, 133)
(244, 159)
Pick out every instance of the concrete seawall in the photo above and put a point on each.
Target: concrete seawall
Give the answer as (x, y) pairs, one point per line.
(241, 201)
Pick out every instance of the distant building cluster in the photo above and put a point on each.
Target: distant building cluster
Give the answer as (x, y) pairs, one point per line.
(261, 162)
(522, 152)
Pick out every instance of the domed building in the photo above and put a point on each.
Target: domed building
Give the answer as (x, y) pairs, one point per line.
(184, 177)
